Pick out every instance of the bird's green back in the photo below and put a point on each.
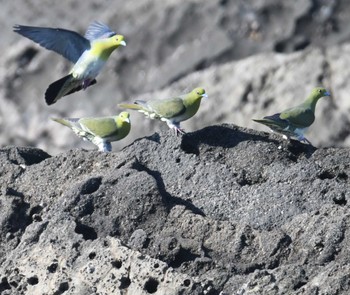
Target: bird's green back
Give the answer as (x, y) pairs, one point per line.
(184, 106)
(167, 108)
(300, 116)
(110, 128)
(102, 127)
(175, 109)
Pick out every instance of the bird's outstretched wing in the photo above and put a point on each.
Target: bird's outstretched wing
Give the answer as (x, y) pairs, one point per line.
(98, 30)
(69, 44)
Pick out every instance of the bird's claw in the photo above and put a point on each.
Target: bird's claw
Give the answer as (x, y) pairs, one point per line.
(179, 131)
(302, 138)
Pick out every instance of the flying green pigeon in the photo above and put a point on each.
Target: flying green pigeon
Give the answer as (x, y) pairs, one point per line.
(172, 110)
(295, 121)
(100, 131)
(89, 54)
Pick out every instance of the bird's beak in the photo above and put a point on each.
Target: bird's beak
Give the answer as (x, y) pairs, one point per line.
(205, 95)
(327, 94)
(127, 120)
(123, 43)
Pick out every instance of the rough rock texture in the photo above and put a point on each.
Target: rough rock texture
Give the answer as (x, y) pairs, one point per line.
(223, 210)
(167, 41)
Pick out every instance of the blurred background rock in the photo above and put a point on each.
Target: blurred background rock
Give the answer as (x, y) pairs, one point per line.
(254, 58)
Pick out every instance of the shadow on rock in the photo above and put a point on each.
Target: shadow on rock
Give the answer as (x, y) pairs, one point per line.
(24, 155)
(229, 136)
(297, 148)
(168, 200)
(225, 135)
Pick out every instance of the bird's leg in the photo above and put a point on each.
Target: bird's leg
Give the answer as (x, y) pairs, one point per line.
(86, 83)
(105, 146)
(179, 131)
(176, 127)
(302, 138)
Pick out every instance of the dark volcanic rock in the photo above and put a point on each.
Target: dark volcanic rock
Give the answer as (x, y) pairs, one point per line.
(223, 210)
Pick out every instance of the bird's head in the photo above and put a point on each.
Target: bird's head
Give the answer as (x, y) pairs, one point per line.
(319, 92)
(104, 47)
(119, 40)
(199, 92)
(124, 117)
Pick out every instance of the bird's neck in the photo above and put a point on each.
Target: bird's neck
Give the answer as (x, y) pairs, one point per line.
(311, 103)
(103, 49)
(124, 128)
(192, 105)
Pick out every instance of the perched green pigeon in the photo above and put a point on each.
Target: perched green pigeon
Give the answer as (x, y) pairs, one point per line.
(172, 110)
(295, 121)
(89, 54)
(100, 131)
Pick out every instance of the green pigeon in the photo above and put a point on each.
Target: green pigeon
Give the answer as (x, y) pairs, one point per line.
(293, 122)
(172, 110)
(89, 54)
(101, 131)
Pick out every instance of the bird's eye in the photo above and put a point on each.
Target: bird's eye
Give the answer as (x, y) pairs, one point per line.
(198, 93)
(116, 39)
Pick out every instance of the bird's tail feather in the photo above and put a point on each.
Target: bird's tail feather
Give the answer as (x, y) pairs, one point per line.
(262, 121)
(56, 89)
(80, 87)
(63, 87)
(130, 106)
(267, 122)
(62, 121)
(274, 122)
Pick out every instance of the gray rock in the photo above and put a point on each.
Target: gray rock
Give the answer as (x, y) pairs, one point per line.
(224, 210)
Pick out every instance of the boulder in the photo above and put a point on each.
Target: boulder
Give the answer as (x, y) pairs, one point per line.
(223, 210)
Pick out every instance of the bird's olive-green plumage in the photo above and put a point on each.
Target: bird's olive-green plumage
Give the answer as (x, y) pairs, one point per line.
(303, 115)
(294, 121)
(101, 130)
(106, 127)
(172, 110)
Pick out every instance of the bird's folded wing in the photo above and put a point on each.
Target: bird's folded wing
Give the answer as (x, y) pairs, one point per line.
(167, 108)
(102, 127)
(69, 44)
(69, 122)
(300, 117)
(274, 122)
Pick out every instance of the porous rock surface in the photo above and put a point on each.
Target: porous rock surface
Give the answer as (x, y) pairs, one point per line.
(223, 210)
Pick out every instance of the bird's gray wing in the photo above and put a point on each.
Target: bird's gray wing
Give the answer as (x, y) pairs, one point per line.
(67, 43)
(98, 30)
